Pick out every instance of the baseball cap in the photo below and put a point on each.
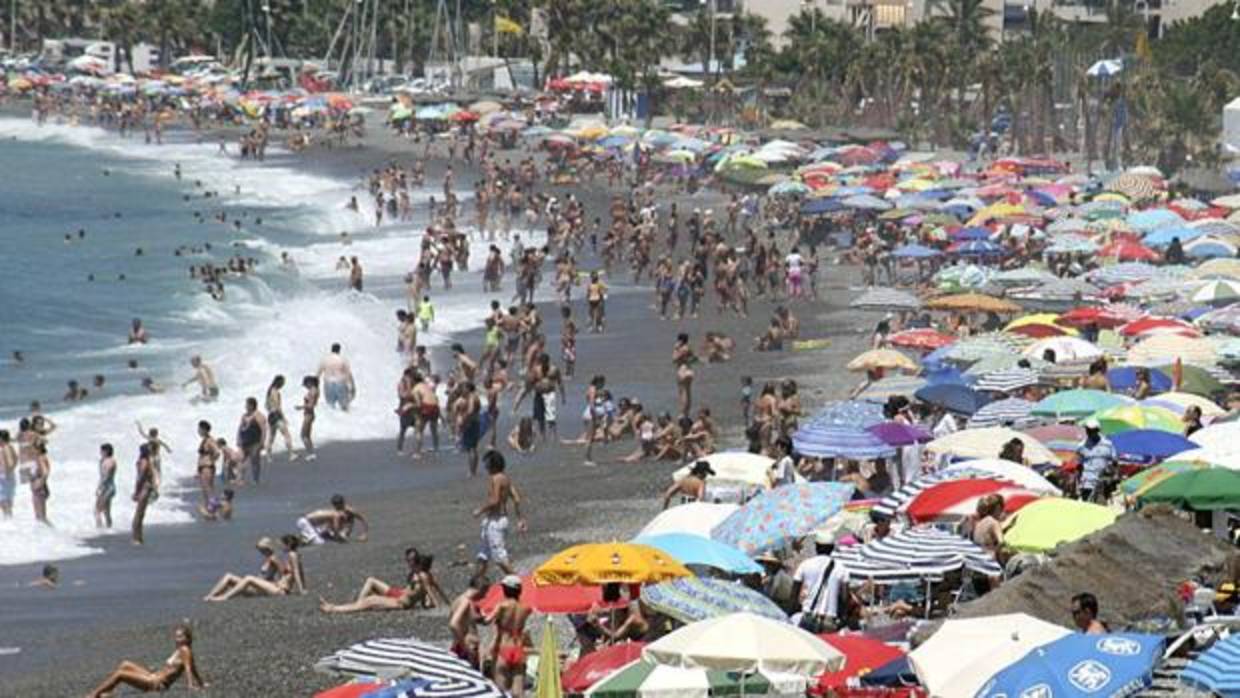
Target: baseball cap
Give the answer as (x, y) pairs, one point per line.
(1091, 424)
(511, 581)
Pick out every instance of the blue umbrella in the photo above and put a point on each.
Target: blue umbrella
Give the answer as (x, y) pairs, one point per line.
(972, 233)
(823, 205)
(1125, 378)
(704, 552)
(1081, 666)
(948, 375)
(976, 247)
(914, 252)
(827, 440)
(1217, 669)
(960, 399)
(1149, 445)
(690, 599)
(776, 518)
(1163, 236)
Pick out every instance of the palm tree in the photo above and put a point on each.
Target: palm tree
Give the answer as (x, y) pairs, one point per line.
(965, 22)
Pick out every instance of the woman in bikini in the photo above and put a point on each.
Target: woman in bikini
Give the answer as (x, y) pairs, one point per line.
(511, 639)
(38, 482)
(308, 403)
(421, 591)
(275, 577)
(275, 419)
(143, 490)
(157, 680)
(684, 358)
(208, 456)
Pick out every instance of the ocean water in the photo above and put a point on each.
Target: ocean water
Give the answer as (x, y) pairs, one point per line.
(61, 179)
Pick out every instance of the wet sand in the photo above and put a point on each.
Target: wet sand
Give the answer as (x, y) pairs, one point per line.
(121, 605)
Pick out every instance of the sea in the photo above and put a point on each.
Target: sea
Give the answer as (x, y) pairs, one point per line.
(66, 304)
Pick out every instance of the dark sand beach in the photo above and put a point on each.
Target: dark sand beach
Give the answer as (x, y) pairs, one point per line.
(123, 604)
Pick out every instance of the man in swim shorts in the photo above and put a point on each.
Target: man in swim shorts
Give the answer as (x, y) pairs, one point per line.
(337, 378)
(494, 514)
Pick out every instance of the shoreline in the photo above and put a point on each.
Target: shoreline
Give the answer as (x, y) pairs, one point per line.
(131, 597)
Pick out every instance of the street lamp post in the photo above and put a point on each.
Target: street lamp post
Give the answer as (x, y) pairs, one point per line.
(267, 18)
(710, 6)
(808, 6)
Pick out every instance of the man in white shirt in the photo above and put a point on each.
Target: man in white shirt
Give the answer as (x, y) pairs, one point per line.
(817, 582)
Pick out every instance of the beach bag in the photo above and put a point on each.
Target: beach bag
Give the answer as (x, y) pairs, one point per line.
(818, 623)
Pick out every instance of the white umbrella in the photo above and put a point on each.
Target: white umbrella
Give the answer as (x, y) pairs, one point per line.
(1065, 348)
(1219, 437)
(1225, 457)
(987, 443)
(736, 468)
(1105, 68)
(1007, 470)
(962, 656)
(1218, 291)
(745, 642)
(696, 518)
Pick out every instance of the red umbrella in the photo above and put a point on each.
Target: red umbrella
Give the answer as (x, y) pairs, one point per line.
(923, 338)
(350, 690)
(1128, 251)
(861, 656)
(590, 669)
(959, 498)
(463, 116)
(1039, 330)
(552, 598)
(1151, 323)
(1084, 317)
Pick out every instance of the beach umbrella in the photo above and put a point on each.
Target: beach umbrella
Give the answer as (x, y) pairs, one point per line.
(959, 399)
(548, 685)
(745, 642)
(895, 502)
(607, 563)
(777, 517)
(889, 386)
(597, 665)
(959, 659)
(899, 433)
(646, 679)
(987, 443)
(1004, 470)
(914, 251)
(978, 248)
(406, 657)
(1223, 435)
(1007, 380)
(1193, 379)
(1210, 247)
(982, 348)
(1068, 243)
(691, 599)
(885, 359)
(1080, 665)
(820, 439)
(914, 554)
(1128, 417)
(1218, 268)
(1207, 489)
(921, 338)
(1225, 319)
(735, 468)
(1124, 378)
(1066, 349)
(973, 302)
(1103, 318)
(1159, 350)
(886, 299)
(1060, 438)
(697, 518)
(699, 551)
(1039, 326)
(352, 690)
(1010, 412)
(1143, 480)
(861, 656)
(1218, 292)
(1077, 403)
(958, 499)
(1044, 524)
(866, 202)
(560, 598)
(1153, 325)
(1179, 402)
(1134, 186)
(961, 277)
(1149, 445)
(1217, 669)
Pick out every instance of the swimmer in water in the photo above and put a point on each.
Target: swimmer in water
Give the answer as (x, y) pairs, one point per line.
(137, 333)
(205, 378)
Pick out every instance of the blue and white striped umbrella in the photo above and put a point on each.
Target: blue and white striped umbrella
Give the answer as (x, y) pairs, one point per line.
(896, 501)
(1010, 412)
(1217, 669)
(448, 675)
(826, 440)
(916, 553)
(1123, 273)
(1008, 379)
(889, 386)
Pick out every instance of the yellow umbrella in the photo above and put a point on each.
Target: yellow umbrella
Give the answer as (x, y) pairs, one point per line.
(787, 125)
(973, 302)
(884, 359)
(591, 133)
(608, 563)
(1040, 319)
(1044, 524)
(999, 209)
(549, 664)
(1112, 196)
(1163, 349)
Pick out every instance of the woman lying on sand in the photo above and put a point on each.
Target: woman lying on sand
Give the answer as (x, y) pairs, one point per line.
(422, 591)
(275, 577)
(161, 679)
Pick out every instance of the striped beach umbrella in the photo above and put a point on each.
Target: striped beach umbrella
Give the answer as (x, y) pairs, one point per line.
(1217, 669)
(1008, 380)
(890, 386)
(1077, 403)
(914, 554)
(825, 440)
(447, 675)
(1009, 412)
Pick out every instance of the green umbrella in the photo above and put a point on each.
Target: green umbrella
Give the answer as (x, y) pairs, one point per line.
(643, 679)
(549, 665)
(1077, 403)
(1148, 478)
(1129, 417)
(1195, 380)
(1204, 490)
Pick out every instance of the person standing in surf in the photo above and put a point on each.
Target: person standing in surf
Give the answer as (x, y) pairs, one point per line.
(8, 474)
(106, 489)
(205, 378)
(309, 402)
(276, 421)
(143, 491)
(208, 456)
(337, 379)
(251, 436)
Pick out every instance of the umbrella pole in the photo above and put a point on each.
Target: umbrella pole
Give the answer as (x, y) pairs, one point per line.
(929, 597)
